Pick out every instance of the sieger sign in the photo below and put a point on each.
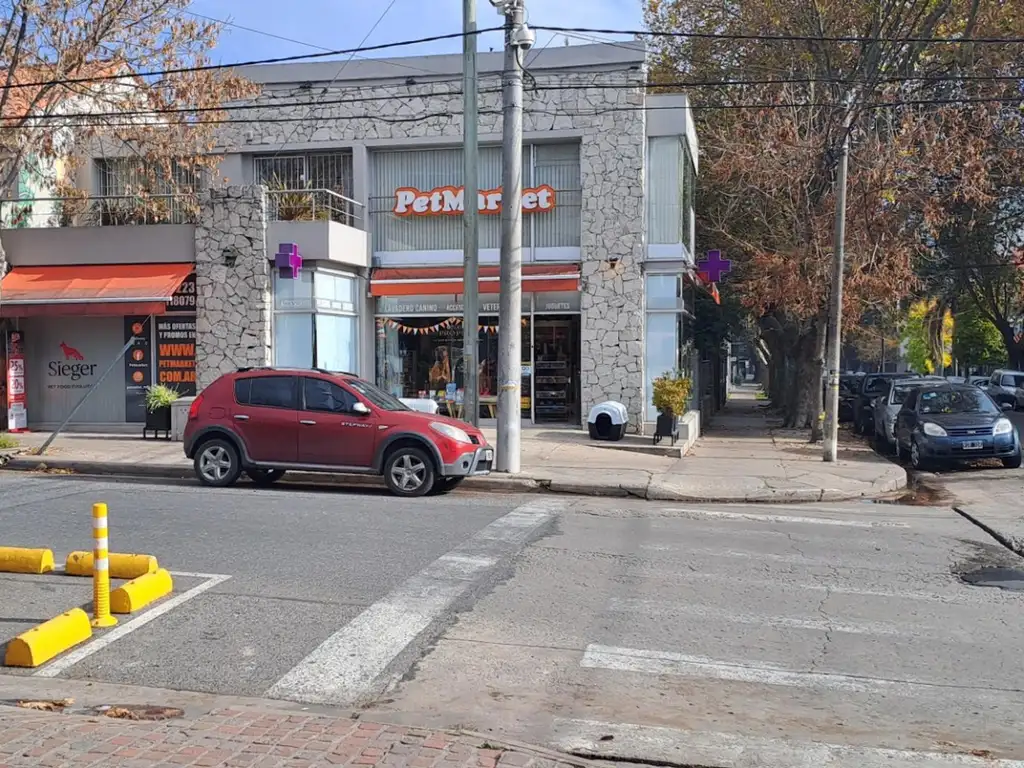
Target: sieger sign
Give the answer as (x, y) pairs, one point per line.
(451, 201)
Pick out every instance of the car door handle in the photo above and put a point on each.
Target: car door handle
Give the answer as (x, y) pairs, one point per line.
(308, 423)
(241, 417)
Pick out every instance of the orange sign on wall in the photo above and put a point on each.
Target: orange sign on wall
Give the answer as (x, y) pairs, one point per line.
(451, 201)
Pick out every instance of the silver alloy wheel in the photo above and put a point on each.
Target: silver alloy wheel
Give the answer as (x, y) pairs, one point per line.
(408, 473)
(915, 454)
(215, 463)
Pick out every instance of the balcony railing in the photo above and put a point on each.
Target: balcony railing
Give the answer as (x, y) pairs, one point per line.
(314, 205)
(98, 211)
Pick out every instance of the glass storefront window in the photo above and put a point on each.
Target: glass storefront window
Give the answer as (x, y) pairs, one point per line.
(671, 187)
(668, 336)
(293, 340)
(315, 321)
(294, 294)
(336, 342)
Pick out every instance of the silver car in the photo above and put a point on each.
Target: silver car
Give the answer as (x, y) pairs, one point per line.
(888, 404)
(1007, 388)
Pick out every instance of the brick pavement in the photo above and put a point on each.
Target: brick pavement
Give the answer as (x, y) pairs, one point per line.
(243, 737)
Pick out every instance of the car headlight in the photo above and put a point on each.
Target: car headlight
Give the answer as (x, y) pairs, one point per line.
(450, 431)
(1002, 427)
(933, 430)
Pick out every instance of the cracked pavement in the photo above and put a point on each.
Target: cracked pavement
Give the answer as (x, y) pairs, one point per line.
(713, 635)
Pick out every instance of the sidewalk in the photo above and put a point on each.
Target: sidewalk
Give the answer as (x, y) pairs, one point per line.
(742, 458)
(250, 734)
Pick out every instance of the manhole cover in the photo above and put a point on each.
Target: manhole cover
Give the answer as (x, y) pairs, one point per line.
(139, 712)
(993, 576)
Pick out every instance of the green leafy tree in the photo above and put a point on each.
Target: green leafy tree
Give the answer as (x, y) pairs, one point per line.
(976, 341)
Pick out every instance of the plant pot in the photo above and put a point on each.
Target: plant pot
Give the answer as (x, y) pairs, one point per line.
(666, 425)
(157, 421)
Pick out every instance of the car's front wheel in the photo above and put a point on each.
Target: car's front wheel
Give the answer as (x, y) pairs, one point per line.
(409, 472)
(917, 460)
(217, 463)
(264, 477)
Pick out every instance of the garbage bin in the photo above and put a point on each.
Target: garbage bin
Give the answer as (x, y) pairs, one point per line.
(607, 421)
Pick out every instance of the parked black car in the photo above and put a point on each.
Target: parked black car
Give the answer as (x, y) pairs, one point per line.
(871, 386)
(947, 423)
(848, 387)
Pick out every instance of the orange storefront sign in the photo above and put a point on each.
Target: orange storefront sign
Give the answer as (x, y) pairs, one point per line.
(451, 201)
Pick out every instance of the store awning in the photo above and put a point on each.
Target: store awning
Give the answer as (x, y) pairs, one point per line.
(415, 281)
(95, 289)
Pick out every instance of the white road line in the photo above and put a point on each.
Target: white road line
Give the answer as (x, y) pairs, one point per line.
(706, 612)
(666, 663)
(354, 661)
(715, 514)
(56, 667)
(729, 750)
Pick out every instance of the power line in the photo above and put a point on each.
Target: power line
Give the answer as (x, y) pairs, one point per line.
(786, 38)
(254, 62)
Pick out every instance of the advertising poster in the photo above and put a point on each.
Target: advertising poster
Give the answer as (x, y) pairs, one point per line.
(17, 400)
(176, 353)
(184, 299)
(138, 371)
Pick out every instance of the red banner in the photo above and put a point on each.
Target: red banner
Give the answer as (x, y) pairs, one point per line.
(17, 400)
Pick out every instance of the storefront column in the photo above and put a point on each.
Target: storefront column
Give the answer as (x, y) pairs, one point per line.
(233, 282)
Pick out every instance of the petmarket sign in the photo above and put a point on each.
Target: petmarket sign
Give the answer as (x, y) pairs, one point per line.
(451, 201)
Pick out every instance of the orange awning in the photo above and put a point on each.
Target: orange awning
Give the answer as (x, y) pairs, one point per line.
(107, 289)
(415, 281)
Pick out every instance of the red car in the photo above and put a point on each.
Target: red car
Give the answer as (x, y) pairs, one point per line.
(265, 421)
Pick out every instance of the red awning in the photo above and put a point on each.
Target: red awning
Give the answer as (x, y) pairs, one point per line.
(415, 281)
(107, 289)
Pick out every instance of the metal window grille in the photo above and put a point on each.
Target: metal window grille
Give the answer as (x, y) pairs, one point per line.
(331, 171)
(132, 193)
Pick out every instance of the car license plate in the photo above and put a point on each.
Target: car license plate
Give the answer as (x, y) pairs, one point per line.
(488, 455)
(972, 445)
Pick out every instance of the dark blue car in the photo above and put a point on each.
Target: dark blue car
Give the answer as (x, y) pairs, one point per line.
(946, 423)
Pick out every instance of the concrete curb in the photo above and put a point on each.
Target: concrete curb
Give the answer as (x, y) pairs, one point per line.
(1013, 543)
(650, 490)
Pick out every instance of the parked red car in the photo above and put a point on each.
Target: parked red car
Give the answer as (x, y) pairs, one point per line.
(265, 421)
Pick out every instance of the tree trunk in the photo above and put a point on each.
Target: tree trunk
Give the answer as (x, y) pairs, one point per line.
(818, 401)
(804, 383)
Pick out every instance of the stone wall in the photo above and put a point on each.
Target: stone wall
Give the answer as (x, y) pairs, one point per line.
(233, 302)
(604, 108)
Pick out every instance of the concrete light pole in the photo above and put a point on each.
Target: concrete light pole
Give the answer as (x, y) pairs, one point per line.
(470, 219)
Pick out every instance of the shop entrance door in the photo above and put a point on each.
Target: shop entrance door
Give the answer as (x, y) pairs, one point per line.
(556, 369)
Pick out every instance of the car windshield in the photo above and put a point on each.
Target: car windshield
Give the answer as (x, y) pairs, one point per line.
(937, 401)
(1017, 379)
(377, 397)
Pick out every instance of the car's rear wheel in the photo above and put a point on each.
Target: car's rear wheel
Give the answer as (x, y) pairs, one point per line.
(445, 485)
(264, 477)
(408, 471)
(217, 463)
(1012, 462)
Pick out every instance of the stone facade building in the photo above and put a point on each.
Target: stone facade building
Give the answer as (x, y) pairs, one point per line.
(360, 173)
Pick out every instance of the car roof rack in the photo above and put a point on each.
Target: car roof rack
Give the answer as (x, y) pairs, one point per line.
(247, 369)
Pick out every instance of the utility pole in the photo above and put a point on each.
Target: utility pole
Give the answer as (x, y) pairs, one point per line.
(470, 220)
(835, 321)
(518, 40)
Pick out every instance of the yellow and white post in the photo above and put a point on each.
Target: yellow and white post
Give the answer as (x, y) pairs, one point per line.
(101, 569)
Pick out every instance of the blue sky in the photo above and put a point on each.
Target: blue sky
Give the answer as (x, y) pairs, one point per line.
(337, 24)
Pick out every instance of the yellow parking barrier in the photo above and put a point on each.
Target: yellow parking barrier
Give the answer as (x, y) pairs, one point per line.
(140, 592)
(101, 569)
(21, 560)
(122, 566)
(40, 644)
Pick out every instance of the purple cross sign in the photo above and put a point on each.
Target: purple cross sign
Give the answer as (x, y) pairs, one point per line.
(714, 266)
(288, 261)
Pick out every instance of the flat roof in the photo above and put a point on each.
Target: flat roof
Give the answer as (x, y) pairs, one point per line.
(596, 57)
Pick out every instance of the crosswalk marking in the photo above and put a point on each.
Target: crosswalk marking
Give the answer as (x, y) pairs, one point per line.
(715, 514)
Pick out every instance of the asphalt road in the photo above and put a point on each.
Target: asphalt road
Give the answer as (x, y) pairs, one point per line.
(825, 635)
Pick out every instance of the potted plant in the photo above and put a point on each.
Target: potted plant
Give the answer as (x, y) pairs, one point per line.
(158, 409)
(671, 395)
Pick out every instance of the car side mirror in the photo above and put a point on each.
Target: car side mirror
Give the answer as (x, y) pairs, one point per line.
(360, 409)
(1007, 407)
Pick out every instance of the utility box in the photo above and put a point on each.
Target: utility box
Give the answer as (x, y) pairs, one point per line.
(179, 417)
(607, 421)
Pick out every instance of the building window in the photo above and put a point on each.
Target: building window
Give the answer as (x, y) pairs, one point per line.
(554, 165)
(668, 339)
(316, 321)
(671, 187)
(327, 176)
(134, 192)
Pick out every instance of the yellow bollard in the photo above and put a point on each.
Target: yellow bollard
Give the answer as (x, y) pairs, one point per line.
(101, 569)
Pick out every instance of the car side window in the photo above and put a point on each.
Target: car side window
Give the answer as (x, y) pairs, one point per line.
(911, 402)
(272, 391)
(325, 397)
(242, 391)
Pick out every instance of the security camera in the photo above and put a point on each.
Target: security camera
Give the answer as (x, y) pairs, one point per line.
(523, 37)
